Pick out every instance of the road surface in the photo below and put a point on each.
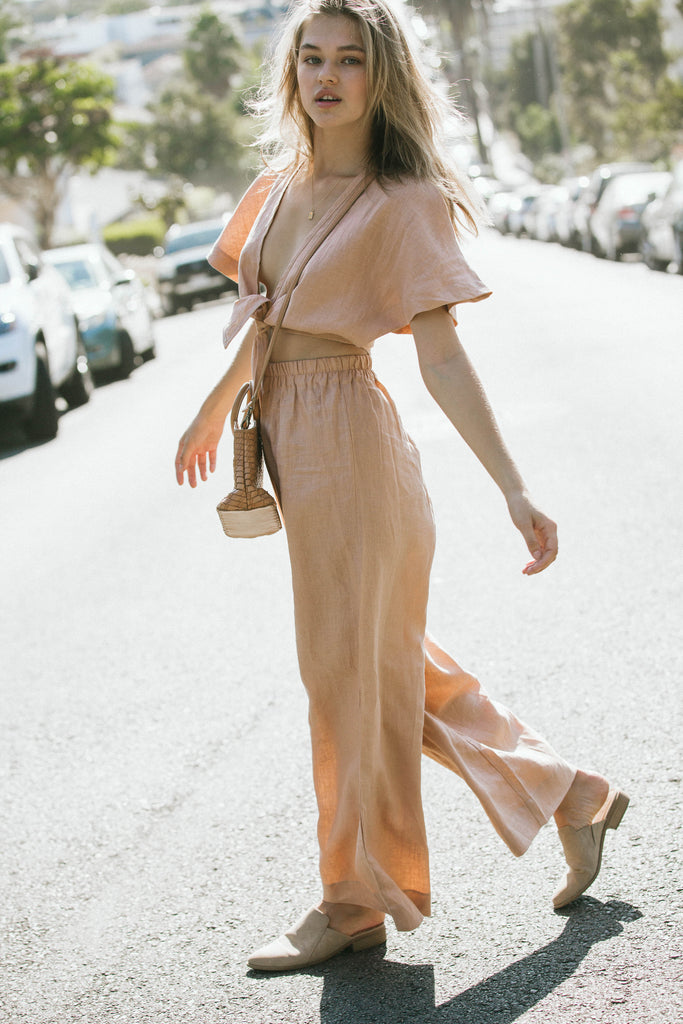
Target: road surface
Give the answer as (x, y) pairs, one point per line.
(157, 810)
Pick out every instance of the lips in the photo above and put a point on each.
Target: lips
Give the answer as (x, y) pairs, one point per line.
(326, 98)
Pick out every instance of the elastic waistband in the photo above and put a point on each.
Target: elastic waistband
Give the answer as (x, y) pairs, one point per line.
(326, 364)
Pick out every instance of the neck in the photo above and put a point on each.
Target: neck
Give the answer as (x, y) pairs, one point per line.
(341, 153)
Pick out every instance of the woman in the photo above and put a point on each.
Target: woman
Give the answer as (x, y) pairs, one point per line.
(348, 98)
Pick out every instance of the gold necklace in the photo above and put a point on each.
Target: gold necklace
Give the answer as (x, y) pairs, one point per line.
(311, 212)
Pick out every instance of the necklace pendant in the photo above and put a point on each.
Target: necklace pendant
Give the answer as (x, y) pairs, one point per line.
(311, 214)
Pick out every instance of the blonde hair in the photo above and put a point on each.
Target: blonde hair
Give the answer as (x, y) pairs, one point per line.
(407, 115)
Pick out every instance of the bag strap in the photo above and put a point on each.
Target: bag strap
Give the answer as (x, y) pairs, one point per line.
(305, 255)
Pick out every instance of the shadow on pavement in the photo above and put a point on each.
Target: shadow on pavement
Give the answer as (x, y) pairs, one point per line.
(371, 990)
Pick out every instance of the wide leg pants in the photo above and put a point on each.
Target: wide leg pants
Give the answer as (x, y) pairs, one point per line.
(361, 540)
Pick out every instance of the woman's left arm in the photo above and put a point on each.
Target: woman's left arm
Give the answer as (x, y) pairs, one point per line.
(453, 383)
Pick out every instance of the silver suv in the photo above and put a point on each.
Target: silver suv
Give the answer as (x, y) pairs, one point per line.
(41, 353)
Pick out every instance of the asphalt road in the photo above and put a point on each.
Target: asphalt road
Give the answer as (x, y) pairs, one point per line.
(157, 812)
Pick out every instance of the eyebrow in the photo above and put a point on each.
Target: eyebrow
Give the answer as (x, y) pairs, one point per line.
(349, 46)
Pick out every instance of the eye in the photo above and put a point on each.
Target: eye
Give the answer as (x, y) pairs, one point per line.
(350, 60)
(311, 60)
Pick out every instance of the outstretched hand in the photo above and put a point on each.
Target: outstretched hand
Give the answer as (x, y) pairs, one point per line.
(198, 443)
(538, 530)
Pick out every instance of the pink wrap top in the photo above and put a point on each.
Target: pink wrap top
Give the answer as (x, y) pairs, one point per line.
(393, 255)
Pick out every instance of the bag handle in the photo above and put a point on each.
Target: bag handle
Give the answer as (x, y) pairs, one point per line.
(305, 255)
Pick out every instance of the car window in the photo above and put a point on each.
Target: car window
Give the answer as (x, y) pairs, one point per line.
(78, 274)
(193, 239)
(4, 270)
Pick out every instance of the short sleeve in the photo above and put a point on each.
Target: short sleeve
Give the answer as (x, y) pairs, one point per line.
(225, 254)
(427, 264)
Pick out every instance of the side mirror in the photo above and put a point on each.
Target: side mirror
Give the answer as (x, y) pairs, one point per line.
(125, 278)
(32, 269)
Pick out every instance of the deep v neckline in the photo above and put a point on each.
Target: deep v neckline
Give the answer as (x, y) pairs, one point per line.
(309, 239)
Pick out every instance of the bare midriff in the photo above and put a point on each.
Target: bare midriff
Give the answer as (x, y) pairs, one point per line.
(291, 346)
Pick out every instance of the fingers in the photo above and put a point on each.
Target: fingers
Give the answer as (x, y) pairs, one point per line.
(179, 462)
(543, 545)
(189, 461)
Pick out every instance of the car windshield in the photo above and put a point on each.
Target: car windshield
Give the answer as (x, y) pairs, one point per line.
(193, 239)
(4, 272)
(79, 273)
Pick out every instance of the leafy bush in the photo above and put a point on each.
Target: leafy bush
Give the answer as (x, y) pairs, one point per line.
(136, 237)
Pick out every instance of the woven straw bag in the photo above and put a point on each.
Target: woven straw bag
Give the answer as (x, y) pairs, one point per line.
(249, 510)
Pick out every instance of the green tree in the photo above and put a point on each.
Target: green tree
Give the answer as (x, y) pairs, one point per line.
(198, 128)
(614, 71)
(9, 21)
(213, 55)
(54, 117)
(192, 135)
(538, 131)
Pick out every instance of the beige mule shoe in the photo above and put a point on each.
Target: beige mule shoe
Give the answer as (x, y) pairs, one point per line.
(310, 941)
(583, 848)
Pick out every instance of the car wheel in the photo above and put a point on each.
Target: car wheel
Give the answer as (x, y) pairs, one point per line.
(80, 385)
(678, 250)
(43, 421)
(126, 357)
(149, 353)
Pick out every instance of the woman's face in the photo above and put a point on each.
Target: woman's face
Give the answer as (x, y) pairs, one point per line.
(332, 71)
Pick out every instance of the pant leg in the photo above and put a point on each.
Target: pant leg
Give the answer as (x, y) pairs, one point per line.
(516, 775)
(361, 537)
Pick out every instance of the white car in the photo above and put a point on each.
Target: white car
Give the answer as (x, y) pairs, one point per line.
(41, 352)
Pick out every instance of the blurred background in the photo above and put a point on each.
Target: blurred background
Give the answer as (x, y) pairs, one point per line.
(118, 118)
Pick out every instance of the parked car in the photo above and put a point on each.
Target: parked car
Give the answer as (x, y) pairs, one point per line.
(41, 352)
(518, 206)
(566, 224)
(589, 199)
(498, 207)
(540, 218)
(184, 275)
(615, 224)
(661, 239)
(110, 303)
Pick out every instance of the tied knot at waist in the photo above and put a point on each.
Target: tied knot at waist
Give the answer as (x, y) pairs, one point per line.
(260, 308)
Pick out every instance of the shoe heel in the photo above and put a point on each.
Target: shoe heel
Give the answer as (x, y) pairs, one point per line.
(374, 937)
(618, 810)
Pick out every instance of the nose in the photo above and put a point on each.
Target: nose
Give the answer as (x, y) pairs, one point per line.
(326, 74)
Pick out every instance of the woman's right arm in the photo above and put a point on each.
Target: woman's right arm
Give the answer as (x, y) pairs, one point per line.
(203, 434)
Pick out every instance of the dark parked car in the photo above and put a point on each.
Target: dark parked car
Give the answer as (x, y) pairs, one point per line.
(661, 240)
(111, 306)
(589, 199)
(615, 224)
(184, 275)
